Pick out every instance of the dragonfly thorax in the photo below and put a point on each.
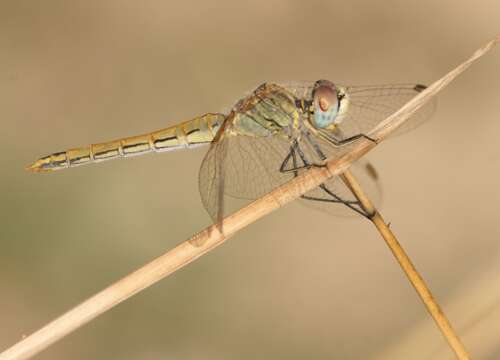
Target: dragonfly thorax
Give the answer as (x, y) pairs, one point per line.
(267, 111)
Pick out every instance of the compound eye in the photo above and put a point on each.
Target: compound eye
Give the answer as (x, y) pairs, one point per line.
(325, 103)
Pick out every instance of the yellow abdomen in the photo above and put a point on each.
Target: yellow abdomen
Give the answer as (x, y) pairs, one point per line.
(198, 131)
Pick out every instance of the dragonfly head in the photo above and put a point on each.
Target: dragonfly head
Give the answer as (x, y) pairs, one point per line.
(326, 103)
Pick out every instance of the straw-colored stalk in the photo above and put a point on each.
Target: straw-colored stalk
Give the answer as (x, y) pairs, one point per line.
(409, 269)
(210, 237)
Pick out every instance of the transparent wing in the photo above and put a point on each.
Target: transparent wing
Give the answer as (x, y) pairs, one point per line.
(241, 167)
(369, 105)
(245, 168)
(300, 89)
(211, 180)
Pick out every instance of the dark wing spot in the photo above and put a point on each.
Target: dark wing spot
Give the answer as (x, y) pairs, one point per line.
(419, 87)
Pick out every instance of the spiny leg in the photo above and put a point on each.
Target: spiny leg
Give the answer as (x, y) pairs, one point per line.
(351, 204)
(350, 139)
(334, 198)
(293, 156)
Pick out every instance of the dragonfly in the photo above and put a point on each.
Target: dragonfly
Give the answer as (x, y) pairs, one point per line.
(269, 137)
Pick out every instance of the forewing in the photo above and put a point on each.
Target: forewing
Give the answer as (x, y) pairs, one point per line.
(369, 105)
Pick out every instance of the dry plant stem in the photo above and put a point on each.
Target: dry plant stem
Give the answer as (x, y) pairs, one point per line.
(409, 269)
(209, 238)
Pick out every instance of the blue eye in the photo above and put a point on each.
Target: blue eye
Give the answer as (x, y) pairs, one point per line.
(323, 119)
(325, 103)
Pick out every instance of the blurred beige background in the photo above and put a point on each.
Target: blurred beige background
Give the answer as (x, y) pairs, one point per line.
(297, 284)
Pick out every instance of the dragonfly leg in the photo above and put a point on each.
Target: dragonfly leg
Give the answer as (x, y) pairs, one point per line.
(292, 155)
(335, 199)
(350, 139)
(351, 204)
